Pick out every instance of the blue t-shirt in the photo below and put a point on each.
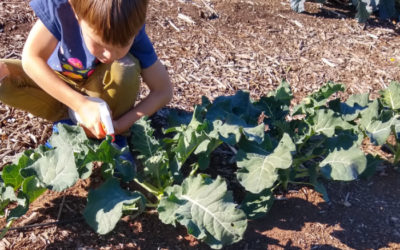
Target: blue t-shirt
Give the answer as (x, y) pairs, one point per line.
(71, 56)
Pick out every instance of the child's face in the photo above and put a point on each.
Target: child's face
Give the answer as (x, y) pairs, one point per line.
(106, 53)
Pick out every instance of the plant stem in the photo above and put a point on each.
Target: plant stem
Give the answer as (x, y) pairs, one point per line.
(396, 147)
(151, 205)
(391, 148)
(149, 188)
(302, 175)
(304, 143)
(298, 161)
(6, 228)
(300, 183)
(277, 185)
(194, 170)
(397, 153)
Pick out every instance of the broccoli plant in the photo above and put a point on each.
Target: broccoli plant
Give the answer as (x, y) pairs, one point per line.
(386, 9)
(274, 145)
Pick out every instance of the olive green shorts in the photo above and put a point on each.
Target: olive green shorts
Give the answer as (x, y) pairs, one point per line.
(116, 83)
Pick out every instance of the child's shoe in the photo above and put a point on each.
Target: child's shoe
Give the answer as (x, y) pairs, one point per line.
(121, 142)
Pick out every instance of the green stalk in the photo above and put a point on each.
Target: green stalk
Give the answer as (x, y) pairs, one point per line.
(5, 229)
(395, 149)
(304, 143)
(149, 188)
(298, 161)
(151, 205)
(302, 175)
(300, 183)
(194, 170)
(396, 154)
(274, 187)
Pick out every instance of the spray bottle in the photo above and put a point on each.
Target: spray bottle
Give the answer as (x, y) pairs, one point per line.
(105, 117)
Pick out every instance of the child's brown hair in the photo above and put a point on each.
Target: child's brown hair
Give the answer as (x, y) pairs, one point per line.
(115, 21)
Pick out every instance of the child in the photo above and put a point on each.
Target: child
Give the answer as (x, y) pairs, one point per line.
(81, 48)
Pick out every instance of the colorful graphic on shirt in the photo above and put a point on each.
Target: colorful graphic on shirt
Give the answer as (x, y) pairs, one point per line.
(75, 62)
(90, 72)
(82, 71)
(73, 67)
(72, 75)
(68, 67)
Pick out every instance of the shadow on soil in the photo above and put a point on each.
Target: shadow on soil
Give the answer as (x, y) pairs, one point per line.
(342, 11)
(145, 232)
(368, 221)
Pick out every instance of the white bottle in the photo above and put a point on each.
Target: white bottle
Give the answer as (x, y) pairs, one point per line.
(105, 116)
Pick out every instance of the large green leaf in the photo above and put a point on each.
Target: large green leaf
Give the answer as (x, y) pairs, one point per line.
(7, 195)
(207, 210)
(255, 134)
(344, 164)
(105, 205)
(369, 114)
(11, 175)
(142, 138)
(317, 99)
(379, 131)
(20, 209)
(258, 172)
(297, 5)
(32, 188)
(372, 164)
(276, 105)
(156, 169)
(204, 150)
(351, 108)
(326, 121)
(282, 94)
(188, 138)
(231, 131)
(70, 137)
(106, 152)
(378, 123)
(228, 133)
(187, 143)
(391, 96)
(264, 148)
(56, 170)
(362, 12)
(238, 106)
(343, 139)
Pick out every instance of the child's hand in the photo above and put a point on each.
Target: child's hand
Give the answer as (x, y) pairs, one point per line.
(91, 122)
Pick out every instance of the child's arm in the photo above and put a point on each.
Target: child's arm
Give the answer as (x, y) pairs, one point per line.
(161, 92)
(37, 49)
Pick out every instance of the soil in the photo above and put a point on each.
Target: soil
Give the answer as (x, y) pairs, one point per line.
(215, 48)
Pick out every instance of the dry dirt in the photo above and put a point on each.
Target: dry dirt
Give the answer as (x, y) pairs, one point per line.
(215, 48)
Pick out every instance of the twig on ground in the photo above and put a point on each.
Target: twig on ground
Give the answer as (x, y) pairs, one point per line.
(209, 8)
(61, 207)
(47, 224)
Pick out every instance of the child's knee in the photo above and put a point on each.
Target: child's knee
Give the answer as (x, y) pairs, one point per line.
(129, 63)
(124, 71)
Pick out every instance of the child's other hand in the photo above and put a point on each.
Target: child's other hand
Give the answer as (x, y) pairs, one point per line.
(117, 127)
(91, 122)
